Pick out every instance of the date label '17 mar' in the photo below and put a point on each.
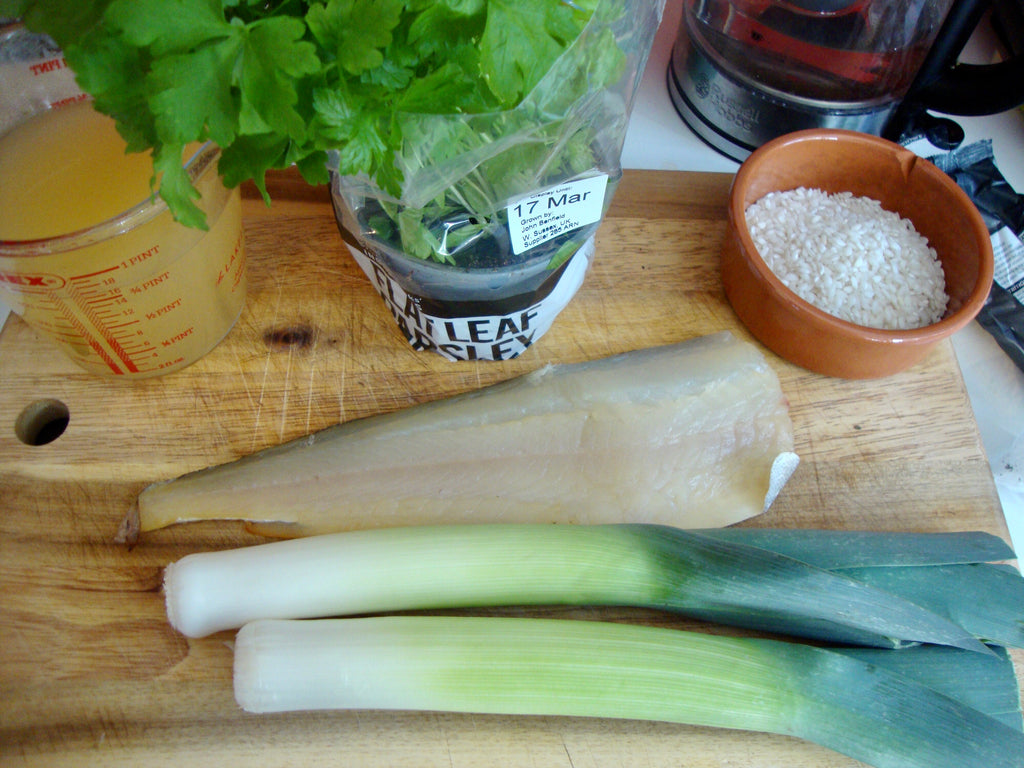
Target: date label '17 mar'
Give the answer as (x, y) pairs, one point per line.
(545, 215)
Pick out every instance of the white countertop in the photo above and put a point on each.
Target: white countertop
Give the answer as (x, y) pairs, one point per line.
(658, 139)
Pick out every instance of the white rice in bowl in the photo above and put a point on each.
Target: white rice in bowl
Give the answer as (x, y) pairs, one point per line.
(849, 257)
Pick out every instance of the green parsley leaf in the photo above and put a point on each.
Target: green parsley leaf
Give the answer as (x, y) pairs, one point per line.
(449, 85)
(168, 26)
(65, 22)
(175, 184)
(274, 58)
(313, 167)
(12, 9)
(390, 75)
(108, 68)
(355, 31)
(518, 46)
(346, 122)
(417, 239)
(464, 7)
(443, 33)
(193, 96)
(250, 157)
(364, 147)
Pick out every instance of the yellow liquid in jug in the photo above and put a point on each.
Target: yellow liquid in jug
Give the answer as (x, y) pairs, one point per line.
(64, 170)
(147, 301)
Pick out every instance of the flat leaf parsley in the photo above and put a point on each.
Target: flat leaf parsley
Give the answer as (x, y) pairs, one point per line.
(282, 82)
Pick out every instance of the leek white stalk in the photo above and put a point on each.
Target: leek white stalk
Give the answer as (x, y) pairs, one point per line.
(598, 669)
(690, 572)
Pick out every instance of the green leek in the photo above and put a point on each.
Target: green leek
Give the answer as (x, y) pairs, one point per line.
(863, 549)
(985, 599)
(690, 572)
(986, 682)
(601, 669)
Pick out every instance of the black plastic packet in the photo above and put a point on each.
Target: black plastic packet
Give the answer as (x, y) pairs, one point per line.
(974, 169)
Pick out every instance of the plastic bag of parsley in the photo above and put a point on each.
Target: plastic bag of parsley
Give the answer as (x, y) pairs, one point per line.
(506, 155)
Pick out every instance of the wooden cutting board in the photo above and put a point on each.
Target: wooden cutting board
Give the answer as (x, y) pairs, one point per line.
(92, 675)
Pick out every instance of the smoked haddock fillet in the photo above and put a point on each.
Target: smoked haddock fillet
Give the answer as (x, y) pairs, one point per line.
(693, 435)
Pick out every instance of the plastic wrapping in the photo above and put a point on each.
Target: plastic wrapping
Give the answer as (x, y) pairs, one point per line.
(493, 231)
(975, 171)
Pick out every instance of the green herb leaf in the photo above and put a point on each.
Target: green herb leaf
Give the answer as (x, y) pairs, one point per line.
(174, 182)
(450, 85)
(356, 32)
(193, 96)
(364, 147)
(275, 57)
(250, 157)
(12, 9)
(108, 68)
(464, 7)
(521, 40)
(417, 239)
(313, 168)
(168, 26)
(444, 34)
(65, 22)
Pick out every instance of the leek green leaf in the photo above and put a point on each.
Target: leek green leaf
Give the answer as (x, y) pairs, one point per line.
(985, 682)
(854, 549)
(987, 600)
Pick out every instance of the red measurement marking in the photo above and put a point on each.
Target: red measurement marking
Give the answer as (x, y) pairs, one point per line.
(96, 316)
(106, 308)
(48, 66)
(93, 274)
(176, 304)
(141, 256)
(83, 332)
(169, 363)
(69, 100)
(151, 283)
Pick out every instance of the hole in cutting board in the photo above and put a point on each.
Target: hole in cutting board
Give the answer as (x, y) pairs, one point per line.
(42, 422)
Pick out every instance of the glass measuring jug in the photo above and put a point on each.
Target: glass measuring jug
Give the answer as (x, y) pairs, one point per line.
(129, 293)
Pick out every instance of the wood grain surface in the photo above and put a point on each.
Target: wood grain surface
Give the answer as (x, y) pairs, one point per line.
(92, 675)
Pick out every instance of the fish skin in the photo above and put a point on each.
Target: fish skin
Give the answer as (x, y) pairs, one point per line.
(685, 434)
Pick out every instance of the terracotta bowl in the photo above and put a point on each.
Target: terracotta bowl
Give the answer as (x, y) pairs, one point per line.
(836, 161)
